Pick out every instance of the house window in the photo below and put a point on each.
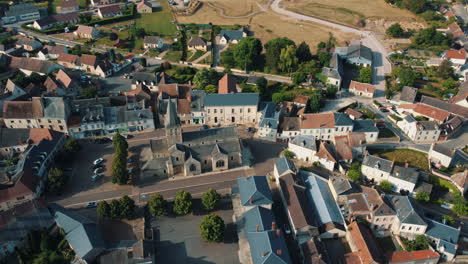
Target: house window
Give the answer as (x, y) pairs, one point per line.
(29, 121)
(403, 227)
(193, 167)
(248, 110)
(220, 163)
(240, 110)
(221, 111)
(215, 111)
(409, 228)
(417, 229)
(61, 127)
(206, 161)
(50, 121)
(232, 110)
(208, 111)
(58, 121)
(371, 135)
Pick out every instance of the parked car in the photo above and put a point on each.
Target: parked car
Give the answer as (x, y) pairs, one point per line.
(98, 166)
(96, 177)
(98, 161)
(98, 170)
(287, 230)
(129, 160)
(205, 127)
(91, 204)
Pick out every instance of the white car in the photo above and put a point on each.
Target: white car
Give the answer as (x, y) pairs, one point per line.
(91, 204)
(98, 161)
(95, 177)
(98, 170)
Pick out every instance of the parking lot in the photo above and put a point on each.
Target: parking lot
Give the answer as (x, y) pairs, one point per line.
(179, 240)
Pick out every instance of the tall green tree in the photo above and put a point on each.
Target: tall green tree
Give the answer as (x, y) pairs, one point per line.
(56, 180)
(115, 209)
(303, 53)
(183, 203)
(157, 205)
(395, 31)
(355, 172)
(298, 77)
(315, 101)
(415, 6)
(288, 60)
(445, 70)
(385, 186)
(273, 51)
(365, 75)
(127, 207)
(212, 228)
(247, 53)
(422, 197)
(103, 210)
(205, 77)
(210, 199)
(119, 163)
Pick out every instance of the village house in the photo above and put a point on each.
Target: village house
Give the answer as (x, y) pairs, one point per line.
(52, 52)
(68, 6)
(456, 57)
(144, 7)
(154, 42)
(197, 43)
(109, 11)
(444, 238)
(353, 114)
(364, 247)
(427, 256)
(408, 95)
(231, 36)
(355, 53)
(69, 61)
(303, 147)
(21, 12)
(198, 110)
(86, 32)
(56, 20)
(362, 89)
(269, 120)
(408, 223)
(334, 72)
(441, 155)
(29, 65)
(28, 44)
(325, 125)
(150, 80)
(456, 105)
(11, 92)
(419, 131)
(102, 2)
(232, 108)
(432, 113)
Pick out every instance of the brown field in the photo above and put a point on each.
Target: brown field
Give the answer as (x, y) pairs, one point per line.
(265, 25)
(351, 12)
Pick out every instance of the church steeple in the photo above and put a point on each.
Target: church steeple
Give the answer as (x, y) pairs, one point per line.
(172, 124)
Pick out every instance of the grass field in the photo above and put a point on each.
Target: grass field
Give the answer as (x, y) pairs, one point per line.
(350, 12)
(158, 22)
(265, 25)
(415, 158)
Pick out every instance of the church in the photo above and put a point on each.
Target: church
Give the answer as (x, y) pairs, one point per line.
(191, 153)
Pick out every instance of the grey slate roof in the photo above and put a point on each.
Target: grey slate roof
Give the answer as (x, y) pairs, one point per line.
(268, 242)
(284, 165)
(12, 137)
(331, 73)
(376, 162)
(254, 190)
(171, 118)
(441, 148)
(55, 107)
(408, 94)
(198, 100)
(81, 233)
(209, 135)
(232, 99)
(270, 117)
(405, 210)
(323, 204)
(21, 9)
(305, 142)
(359, 51)
(341, 185)
(145, 77)
(232, 34)
(410, 119)
(342, 120)
(260, 216)
(406, 174)
(442, 231)
(364, 126)
(196, 41)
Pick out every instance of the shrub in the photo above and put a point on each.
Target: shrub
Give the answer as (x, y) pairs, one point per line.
(210, 199)
(212, 228)
(182, 203)
(385, 186)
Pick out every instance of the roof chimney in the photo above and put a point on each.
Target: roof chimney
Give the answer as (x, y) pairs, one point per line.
(257, 228)
(264, 254)
(273, 225)
(459, 227)
(279, 252)
(406, 164)
(278, 232)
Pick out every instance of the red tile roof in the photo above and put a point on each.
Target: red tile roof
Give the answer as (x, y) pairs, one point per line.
(26, 185)
(354, 113)
(321, 120)
(363, 87)
(63, 77)
(455, 30)
(227, 84)
(326, 152)
(456, 54)
(431, 112)
(301, 99)
(36, 135)
(367, 248)
(405, 256)
(89, 60)
(343, 148)
(69, 58)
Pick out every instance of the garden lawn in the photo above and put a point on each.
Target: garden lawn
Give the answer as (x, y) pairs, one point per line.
(173, 56)
(415, 158)
(196, 55)
(158, 22)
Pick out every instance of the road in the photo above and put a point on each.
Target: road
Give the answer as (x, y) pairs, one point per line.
(381, 63)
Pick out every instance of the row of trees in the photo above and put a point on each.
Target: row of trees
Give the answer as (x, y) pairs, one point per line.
(43, 247)
(119, 164)
(117, 209)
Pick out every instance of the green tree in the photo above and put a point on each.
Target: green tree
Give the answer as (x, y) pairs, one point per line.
(288, 154)
(415, 6)
(157, 205)
(56, 180)
(460, 206)
(247, 53)
(288, 60)
(315, 101)
(331, 91)
(113, 36)
(227, 59)
(127, 207)
(365, 75)
(119, 163)
(303, 53)
(422, 197)
(385, 186)
(273, 51)
(115, 209)
(324, 58)
(205, 77)
(71, 146)
(406, 75)
(210, 199)
(262, 84)
(395, 31)
(211, 89)
(103, 210)
(89, 92)
(448, 220)
(445, 70)
(355, 172)
(298, 77)
(212, 228)
(311, 67)
(183, 203)
(449, 83)
(143, 62)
